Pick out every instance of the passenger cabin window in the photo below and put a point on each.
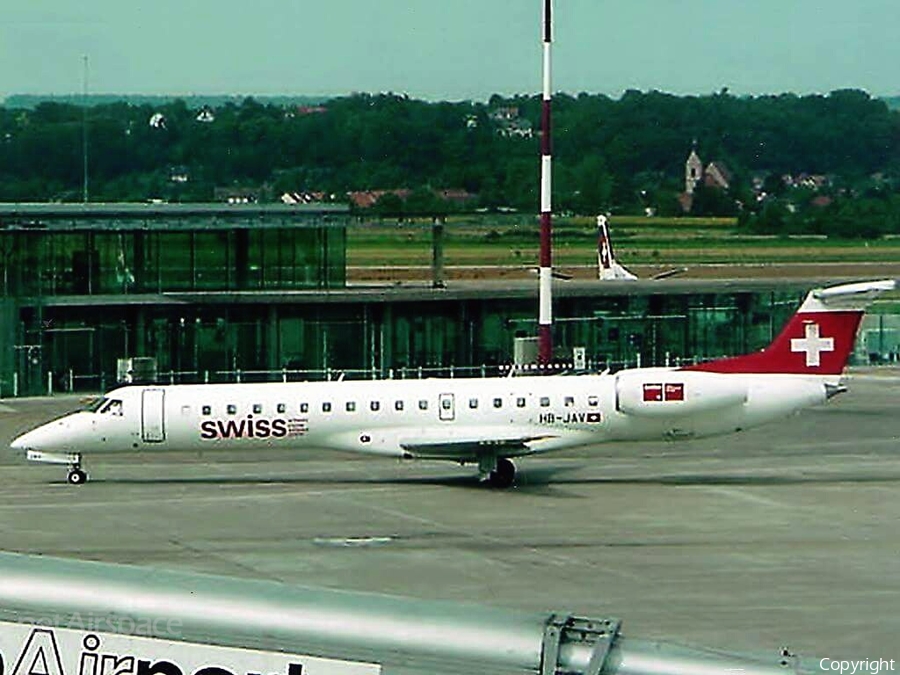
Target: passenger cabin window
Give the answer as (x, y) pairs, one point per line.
(231, 409)
(374, 406)
(593, 401)
(473, 403)
(423, 404)
(257, 408)
(351, 406)
(207, 410)
(446, 403)
(326, 406)
(498, 402)
(398, 405)
(570, 401)
(304, 407)
(281, 407)
(545, 401)
(520, 402)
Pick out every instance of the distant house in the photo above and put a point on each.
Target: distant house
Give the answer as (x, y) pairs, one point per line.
(366, 199)
(304, 197)
(179, 174)
(717, 175)
(505, 113)
(311, 110)
(242, 194)
(814, 182)
(206, 115)
(509, 124)
(457, 197)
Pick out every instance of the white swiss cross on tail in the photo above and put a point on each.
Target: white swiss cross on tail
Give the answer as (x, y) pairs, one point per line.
(812, 345)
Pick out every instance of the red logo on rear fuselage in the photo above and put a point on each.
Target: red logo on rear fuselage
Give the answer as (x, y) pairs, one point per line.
(670, 391)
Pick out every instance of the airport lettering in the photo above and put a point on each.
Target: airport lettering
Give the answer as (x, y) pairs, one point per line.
(41, 655)
(47, 649)
(570, 418)
(245, 428)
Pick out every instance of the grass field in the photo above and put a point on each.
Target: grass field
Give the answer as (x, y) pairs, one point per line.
(649, 241)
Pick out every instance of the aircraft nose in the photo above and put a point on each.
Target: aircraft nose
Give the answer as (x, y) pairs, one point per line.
(46, 437)
(27, 441)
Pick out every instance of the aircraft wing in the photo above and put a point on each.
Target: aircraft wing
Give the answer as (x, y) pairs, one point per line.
(471, 448)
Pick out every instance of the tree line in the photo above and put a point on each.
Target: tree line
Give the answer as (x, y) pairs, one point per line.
(623, 155)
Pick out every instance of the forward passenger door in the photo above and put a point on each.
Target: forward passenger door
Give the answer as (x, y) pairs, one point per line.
(153, 422)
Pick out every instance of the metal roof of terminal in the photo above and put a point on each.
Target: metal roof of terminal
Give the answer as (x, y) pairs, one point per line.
(454, 292)
(149, 216)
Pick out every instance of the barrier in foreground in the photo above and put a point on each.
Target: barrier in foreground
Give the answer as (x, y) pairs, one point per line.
(64, 617)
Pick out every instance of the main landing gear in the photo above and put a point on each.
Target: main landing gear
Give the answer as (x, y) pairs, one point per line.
(498, 472)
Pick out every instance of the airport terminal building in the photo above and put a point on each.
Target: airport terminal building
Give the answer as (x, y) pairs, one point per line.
(216, 293)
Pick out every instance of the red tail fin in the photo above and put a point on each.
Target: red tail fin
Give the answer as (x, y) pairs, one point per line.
(817, 340)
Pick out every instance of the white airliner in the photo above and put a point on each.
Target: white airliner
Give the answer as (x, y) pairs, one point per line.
(480, 421)
(610, 268)
(607, 265)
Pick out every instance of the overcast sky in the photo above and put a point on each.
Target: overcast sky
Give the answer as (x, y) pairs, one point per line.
(451, 50)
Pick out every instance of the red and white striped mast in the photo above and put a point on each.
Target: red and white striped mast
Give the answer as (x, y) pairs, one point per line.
(545, 312)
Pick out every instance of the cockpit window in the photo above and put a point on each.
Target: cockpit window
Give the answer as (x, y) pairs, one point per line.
(112, 407)
(96, 404)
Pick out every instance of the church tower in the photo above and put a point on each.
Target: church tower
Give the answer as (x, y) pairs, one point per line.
(693, 170)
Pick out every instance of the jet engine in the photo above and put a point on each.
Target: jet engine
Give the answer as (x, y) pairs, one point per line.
(671, 393)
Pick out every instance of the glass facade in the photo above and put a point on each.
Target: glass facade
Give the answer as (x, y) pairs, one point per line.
(43, 262)
(306, 336)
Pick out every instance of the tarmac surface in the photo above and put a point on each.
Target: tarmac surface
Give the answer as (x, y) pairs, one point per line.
(788, 535)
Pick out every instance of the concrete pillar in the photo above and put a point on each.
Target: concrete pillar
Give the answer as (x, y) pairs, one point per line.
(140, 331)
(273, 339)
(437, 253)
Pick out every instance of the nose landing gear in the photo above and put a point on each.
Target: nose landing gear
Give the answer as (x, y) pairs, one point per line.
(76, 476)
(71, 459)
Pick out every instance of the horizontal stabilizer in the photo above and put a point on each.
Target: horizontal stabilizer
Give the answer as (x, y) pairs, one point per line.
(855, 296)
